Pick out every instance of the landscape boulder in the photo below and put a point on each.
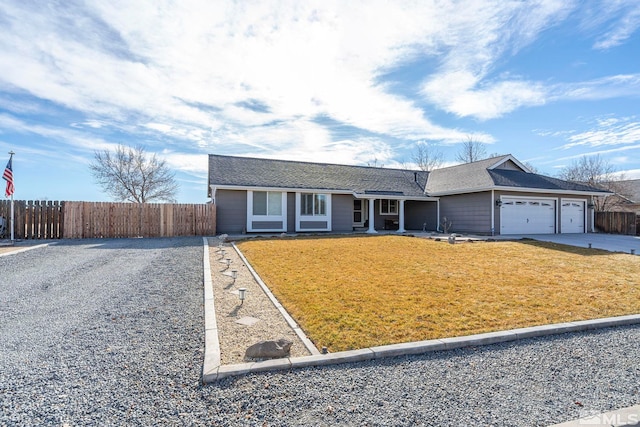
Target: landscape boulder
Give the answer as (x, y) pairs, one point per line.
(269, 349)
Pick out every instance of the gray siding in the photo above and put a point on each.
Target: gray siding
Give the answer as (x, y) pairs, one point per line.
(341, 212)
(509, 165)
(416, 214)
(380, 219)
(291, 212)
(469, 213)
(231, 211)
(306, 225)
(266, 225)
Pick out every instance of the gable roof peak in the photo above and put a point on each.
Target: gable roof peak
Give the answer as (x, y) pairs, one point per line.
(508, 157)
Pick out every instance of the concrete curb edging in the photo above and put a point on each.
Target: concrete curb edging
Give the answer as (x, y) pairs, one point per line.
(421, 347)
(17, 251)
(296, 328)
(211, 343)
(213, 370)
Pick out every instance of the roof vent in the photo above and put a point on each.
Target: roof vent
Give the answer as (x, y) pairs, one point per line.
(415, 176)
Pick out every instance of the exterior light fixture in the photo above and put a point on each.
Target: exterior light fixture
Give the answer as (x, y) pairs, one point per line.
(234, 275)
(498, 203)
(242, 294)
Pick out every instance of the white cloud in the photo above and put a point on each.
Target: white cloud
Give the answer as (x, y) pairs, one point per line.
(623, 18)
(192, 163)
(460, 94)
(628, 174)
(608, 131)
(478, 37)
(622, 85)
(181, 70)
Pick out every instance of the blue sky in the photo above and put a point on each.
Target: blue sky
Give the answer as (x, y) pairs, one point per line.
(358, 82)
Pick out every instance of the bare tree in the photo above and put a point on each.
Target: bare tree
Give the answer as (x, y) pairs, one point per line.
(374, 163)
(599, 173)
(530, 166)
(129, 174)
(471, 151)
(426, 158)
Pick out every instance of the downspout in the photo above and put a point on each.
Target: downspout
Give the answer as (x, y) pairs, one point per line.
(593, 215)
(493, 213)
(438, 215)
(213, 190)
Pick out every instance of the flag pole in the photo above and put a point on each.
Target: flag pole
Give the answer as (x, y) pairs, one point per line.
(11, 153)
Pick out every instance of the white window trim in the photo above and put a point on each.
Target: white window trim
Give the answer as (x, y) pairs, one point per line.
(300, 218)
(273, 218)
(388, 213)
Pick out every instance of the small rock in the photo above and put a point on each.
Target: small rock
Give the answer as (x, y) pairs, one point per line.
(269, 349)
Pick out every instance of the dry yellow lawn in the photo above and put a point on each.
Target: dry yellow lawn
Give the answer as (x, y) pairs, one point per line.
(356, 292)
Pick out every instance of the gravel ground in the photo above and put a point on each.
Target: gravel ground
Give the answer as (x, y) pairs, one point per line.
(110, 332)
(235, 338)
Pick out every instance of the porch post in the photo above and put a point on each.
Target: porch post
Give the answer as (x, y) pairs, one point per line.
(401, 217)
(372, 214)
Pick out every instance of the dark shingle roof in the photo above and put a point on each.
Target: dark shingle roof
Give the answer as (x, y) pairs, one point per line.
(477, 176)
(460, 178)
(253, 172)
(468, 177)
(512, 178)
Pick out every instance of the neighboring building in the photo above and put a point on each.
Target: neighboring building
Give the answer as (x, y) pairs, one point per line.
(628, 198)
(493, 196)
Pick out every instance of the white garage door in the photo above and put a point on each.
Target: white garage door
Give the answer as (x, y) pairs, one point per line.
(527, 216)
(572, 216)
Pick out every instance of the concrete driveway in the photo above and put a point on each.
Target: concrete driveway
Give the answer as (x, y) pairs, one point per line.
(608, 242)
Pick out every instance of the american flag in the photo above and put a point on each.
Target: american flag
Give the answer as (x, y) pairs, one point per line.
(8, 176)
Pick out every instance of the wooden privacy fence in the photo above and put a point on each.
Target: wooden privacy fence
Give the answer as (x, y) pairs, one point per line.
(77, 220)
(34, 219)
(617, 222)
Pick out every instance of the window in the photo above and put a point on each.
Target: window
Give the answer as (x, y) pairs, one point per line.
(388, 207)
(267, 203)
(312, 204)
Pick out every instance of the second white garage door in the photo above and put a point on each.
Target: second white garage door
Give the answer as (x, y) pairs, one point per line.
(572, 216)
(527, 216)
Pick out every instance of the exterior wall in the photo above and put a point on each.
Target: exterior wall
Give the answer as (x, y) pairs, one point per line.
(416, 214)
(342, 212)
(379, 220)
(509, 165)
(291, 212)
(469, 213)
(557, 197)
(231, 208)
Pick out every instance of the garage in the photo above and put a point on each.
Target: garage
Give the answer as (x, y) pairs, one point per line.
(572, 216)
(527, 216)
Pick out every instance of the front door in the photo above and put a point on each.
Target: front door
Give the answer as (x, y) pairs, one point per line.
(359, 212)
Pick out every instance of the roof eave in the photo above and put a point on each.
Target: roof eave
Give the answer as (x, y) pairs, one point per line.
(323, 190)
(519, 190)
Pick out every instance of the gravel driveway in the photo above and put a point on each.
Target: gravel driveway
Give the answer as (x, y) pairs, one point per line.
(110, 332)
